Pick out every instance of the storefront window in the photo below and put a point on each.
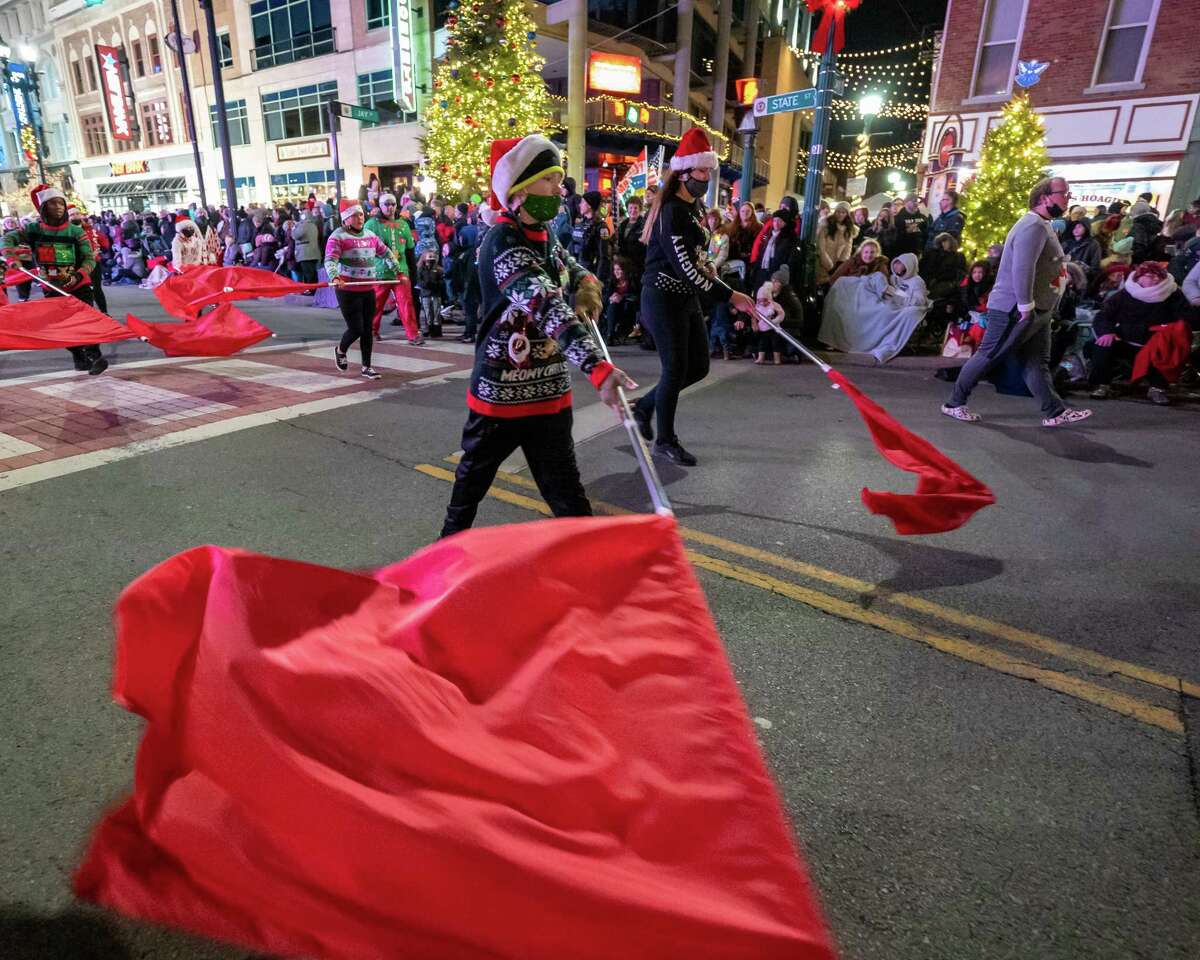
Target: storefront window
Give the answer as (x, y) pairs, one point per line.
(300, 112)
(239, 123)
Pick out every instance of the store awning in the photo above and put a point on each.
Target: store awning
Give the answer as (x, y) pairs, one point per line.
(130, 188)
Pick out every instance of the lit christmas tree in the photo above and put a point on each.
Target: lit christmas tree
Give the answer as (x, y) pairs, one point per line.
(489, 87)
(1014, 159)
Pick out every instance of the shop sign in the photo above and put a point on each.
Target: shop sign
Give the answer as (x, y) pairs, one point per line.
(403, 64)
(115, 100)
(615, 73)
(302, 151)
(129, 167)
(1102, 194)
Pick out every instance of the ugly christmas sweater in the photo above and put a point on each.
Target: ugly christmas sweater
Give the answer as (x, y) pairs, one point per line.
(353, 255)
(61, 254)
(398, 236)
(528, 332)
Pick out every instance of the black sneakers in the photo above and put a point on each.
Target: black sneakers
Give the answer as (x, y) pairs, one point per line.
(673, 450)
(97, 366)
(339, 360)
(370, 373)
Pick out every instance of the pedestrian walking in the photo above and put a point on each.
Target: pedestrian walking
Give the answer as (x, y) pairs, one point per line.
(520, 392)
(394, 231)
(350, 255)
(1019, 309)
(671, 288)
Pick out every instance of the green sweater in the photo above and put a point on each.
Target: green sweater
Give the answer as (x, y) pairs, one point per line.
(59, 253)
(398, 236)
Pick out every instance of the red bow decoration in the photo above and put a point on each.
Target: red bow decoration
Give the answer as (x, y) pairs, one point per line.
(833, 16)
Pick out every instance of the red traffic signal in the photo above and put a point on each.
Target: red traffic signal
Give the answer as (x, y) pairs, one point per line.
(747, 91)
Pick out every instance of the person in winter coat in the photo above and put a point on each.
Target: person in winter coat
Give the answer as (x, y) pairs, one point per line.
(394, 231)
(208, 237)
(1145, 228)
(166, 226)
(307, 240)
(674, 280)
(912, 228)
(568, 213)
(950, 220)
(244, 236)
(834, 242)
(99, 242)
(875, 314)
(1082, 247)
(883, 231)
(629, 236)
(860, 217)
(61, 253)
(867, 260)
(425, 228)
(265, 242)
(1149, 301)
(520, 390)
(777, 250)
(943, 268)
(976, 286)
(187, 246)
(793, 207)
(590, 237)
(1191, 285)
(620, 302)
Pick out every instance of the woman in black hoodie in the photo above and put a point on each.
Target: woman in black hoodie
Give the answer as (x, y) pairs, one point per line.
(1083, 248)
(674, 278)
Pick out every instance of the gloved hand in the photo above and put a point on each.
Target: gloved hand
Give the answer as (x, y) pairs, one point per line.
(588, 299)
(79, 279)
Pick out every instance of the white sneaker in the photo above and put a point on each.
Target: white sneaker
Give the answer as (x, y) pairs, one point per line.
(1069, 415)
(370, 373)
(961, 413)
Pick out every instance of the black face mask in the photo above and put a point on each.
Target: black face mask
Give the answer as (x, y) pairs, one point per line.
(697, 188)
(1054, 210)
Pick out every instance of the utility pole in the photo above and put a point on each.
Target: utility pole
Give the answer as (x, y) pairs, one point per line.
(214, 54)
(816, 159)
(720, 82)
(189, 114)
(683, 56)
(337, 164)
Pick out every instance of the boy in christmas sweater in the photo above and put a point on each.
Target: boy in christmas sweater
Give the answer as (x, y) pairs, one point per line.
(350, 255)
(520, 392)
(62, 254)
(397, 234)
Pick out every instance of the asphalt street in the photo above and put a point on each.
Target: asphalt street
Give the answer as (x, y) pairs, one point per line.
(988, 741)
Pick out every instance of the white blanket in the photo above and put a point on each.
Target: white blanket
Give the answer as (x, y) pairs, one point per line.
(867, 315)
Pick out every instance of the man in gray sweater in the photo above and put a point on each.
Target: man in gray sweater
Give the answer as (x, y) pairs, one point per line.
(1020, 307)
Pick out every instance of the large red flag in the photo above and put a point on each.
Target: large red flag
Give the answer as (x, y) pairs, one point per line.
(56, 322)
(219, 333)
(184, 295)
(947, 496)
(522, 743)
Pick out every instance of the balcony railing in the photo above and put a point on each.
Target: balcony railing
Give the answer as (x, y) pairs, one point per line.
(290, 49)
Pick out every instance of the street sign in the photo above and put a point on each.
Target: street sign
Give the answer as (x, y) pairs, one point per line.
(352, 111)
(786, 102)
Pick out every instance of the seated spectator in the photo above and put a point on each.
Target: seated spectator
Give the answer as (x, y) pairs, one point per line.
(1191, 285)
(1187, 255)
(620, 302)
(1148, 303)
(965, 330)
(872, 315)
(129, 264)
(1082, 247)
(834, 242)
(1192, 217)
(187, 246)
(1113, 270)
(943, 268)
(995, 251)
(868, 259)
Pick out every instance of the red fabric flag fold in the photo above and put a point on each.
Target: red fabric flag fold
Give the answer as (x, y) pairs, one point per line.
(219, 333)
(1167, 351)
(56, 322)
(522, 743)
(833, 17)
(183, 296)
(947, 496)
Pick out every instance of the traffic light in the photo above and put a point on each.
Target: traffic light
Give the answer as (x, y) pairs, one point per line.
(747, 91)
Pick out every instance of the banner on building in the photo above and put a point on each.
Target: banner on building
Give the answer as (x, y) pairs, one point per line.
(654, 168)
(404, 69)
(116, 102)
(28, 119)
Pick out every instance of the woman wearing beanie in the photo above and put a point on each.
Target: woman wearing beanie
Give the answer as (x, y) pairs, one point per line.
(671, 288)
(590, 237)
(520, 392)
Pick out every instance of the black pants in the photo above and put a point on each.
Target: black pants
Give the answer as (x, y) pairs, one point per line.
(488, 441)
(1104, 358)
(98, 296)
(83, 356)
(677, 326)
(767, 341)
(307, 269)
(471, 305)
(358, 310)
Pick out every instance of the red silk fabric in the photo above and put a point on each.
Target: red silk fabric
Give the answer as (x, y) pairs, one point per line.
(947, 496)
(56, 322)
(184, 295)
(523, 742)
(219, 333)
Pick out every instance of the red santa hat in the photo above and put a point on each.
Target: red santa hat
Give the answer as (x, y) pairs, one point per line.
(348, 207)
(694, 151)
(182, 218)
(43, 192)
(517, 163)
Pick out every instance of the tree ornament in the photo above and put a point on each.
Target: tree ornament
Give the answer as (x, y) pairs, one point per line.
(444, 104)
(452, 21)
(516, 78)
(490, 83)
(530, 35)
(512, 121)
(454, 74)
(475, 74)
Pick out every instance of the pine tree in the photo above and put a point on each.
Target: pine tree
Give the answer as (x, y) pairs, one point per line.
(489, 87)
(1014, 159)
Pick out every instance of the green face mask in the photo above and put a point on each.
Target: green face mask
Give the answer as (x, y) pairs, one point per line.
(542, 209)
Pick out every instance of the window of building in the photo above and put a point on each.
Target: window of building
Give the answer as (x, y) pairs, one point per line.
(379, 14)
(156, 123)
(290, 30)
(376, 90)
(239, 123)
(155, 54)
(89, 71)
(95, 140)
(139, 59)
(994, 63)
(77, 76)
(300, 112)
(1126, 40)
(225, 45)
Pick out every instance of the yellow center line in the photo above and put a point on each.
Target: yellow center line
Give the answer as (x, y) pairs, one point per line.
(1141, 710)
(961, 618)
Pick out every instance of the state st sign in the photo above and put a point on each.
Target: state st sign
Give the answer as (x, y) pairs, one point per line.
(786, 102)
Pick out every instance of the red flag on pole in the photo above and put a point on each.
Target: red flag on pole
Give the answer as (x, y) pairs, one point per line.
(946, 496)
(56, 322)
(184, 295)
(219, 333)
(522, 742)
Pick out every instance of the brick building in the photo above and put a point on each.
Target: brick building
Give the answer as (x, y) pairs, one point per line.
(1118, 93)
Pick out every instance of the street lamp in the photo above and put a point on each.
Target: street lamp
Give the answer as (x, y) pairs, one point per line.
(869, 105)
(29, 53)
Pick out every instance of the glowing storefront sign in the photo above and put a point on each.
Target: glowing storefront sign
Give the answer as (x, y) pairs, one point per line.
(615, 73)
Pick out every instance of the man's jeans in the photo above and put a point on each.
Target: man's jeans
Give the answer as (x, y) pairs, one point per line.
(1029, 341)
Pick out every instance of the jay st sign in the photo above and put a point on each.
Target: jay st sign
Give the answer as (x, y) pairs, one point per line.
(115, 100)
